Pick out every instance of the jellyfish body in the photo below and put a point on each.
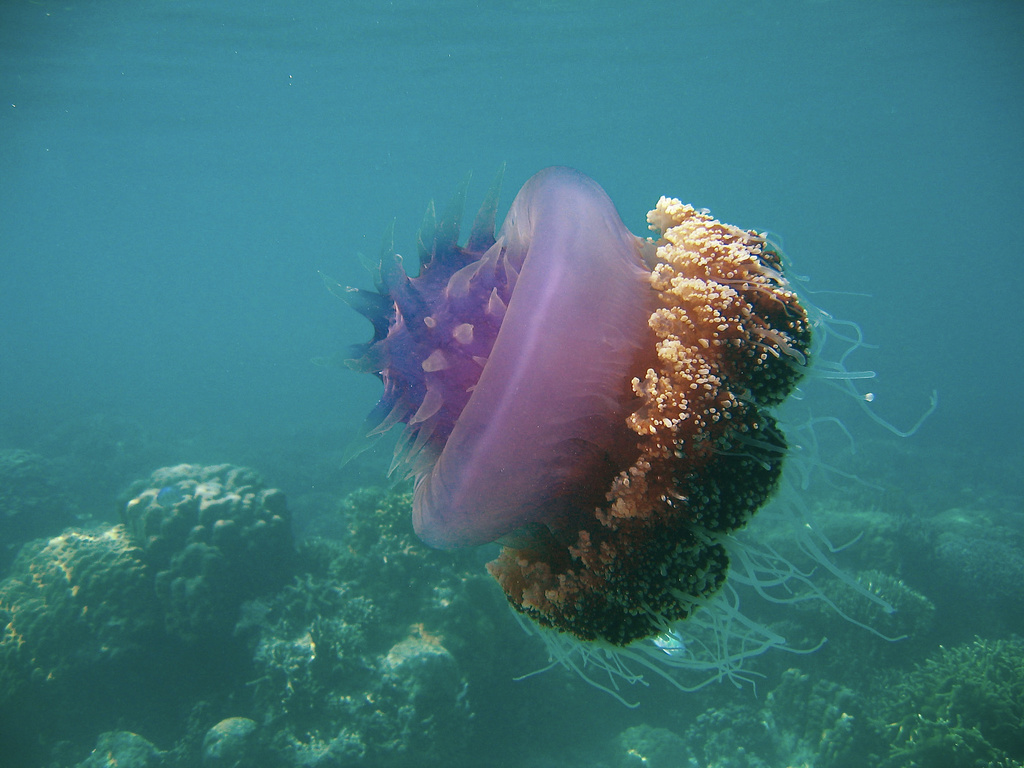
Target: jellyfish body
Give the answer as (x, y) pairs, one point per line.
(597, 402)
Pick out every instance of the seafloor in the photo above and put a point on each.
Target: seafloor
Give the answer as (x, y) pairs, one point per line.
(161, 613)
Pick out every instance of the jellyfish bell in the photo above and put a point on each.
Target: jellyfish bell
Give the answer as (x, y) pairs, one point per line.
(548, 411)
(600, 404)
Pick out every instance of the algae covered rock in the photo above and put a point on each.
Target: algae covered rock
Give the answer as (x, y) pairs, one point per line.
(123, 749)
(423, 697)
(232, 743)
(214, 536)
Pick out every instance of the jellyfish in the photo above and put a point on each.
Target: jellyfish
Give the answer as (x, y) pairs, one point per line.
(599, 404)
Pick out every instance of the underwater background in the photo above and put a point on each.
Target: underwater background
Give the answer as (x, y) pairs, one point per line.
(174, 177)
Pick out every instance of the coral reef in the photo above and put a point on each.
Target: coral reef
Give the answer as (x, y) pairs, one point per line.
(645, 747)
(123, 749)
(125, 625)
(214, 537)
(802, 722)
(963, 707)
(351, 662)
(84, 591)
(80, 630)
(863, 630)
(372, 649)
(233, 743)
(425, 693)
(972, 563)
(364, 655)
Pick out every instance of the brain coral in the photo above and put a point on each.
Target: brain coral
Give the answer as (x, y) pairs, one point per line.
(72, 605)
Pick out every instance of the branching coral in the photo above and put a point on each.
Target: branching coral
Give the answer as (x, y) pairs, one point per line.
(963, 707)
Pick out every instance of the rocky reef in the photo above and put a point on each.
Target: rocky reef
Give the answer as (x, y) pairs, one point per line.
(961, 708)
(195, 633)
(351, 664)
(130, 622)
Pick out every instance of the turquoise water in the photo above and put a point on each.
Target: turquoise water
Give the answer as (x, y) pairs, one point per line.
(175, 175)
